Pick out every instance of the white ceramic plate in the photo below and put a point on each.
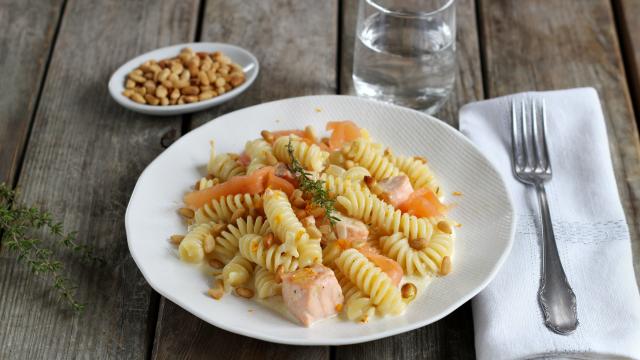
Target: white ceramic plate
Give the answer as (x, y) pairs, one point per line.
(484, 210)
(238, 55)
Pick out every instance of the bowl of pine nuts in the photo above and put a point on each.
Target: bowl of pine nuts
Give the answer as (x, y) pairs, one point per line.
(183, 78)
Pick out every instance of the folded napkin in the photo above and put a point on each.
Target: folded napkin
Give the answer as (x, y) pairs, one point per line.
(591, 233)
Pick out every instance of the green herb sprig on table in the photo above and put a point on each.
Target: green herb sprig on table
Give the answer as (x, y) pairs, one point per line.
(315, 188)
(18, 222)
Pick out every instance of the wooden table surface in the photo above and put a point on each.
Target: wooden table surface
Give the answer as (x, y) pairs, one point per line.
(73, 150)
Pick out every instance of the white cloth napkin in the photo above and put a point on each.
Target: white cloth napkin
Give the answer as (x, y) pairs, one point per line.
(591, 233)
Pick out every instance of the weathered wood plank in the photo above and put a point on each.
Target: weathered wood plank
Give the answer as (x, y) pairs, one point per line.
(451, 337)
(83, 159)
(27, 31)
(628, 13)
(295, 43)
(543, 45)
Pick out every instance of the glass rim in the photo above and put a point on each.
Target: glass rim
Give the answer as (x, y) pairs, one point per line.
(443, 8)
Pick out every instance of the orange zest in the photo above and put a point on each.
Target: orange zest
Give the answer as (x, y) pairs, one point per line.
(423, 203)
(342, 132)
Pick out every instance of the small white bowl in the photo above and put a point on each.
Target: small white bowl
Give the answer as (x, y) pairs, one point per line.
(238, 55)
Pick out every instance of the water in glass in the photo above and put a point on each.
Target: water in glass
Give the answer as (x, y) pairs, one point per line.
(405, 60)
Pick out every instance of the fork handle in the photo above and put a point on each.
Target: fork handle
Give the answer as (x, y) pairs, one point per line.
(556, 298)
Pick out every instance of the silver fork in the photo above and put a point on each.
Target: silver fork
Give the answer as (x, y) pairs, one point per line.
(531, 166)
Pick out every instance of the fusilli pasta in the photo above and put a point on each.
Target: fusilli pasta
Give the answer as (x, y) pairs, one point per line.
(418, 172)
(357, 305)
(372, 281)
(191, 248)
(422, 262)
(283, 220)
(368, 208)
(266, 284)
(253, 248)
(310, 156)
(221, 210)
(257, 150)
(362, 152)
(237, 272)
(227, 242)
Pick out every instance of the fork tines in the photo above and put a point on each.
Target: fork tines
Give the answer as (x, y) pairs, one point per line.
(528, 140)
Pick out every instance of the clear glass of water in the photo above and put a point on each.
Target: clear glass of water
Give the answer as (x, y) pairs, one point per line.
(405, 52)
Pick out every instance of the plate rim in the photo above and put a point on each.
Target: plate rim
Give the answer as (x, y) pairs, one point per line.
(351, 340)
(116, 78)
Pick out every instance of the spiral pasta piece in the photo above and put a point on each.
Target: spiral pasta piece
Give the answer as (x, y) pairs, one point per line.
(257, 151)
(372, 210)
(205, 183)
(221, 210)
(363, 153)
(252, 247)
(357, 305)
(418, 171)
(310, 251)
(225, 166)
(266, 284)
(356, 173)
(340, 186)
(283, 221)
(311, 156)
(372, 281)
(330, 253)
(422, 262)
(227, 242)
(191, 248)
(237, 272)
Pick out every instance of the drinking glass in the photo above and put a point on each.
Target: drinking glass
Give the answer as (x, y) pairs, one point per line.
(405, 52)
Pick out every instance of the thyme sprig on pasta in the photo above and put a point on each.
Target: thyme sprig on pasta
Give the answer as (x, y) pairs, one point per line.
(315, 188)
(18, 222)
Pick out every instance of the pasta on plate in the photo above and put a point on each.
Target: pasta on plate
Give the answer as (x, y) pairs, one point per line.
(318, 227)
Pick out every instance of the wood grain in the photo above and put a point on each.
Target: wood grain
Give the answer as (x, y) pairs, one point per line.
(451, 337)
(568, 44)
(27, 30)
(628, 17)
(83, 159)
(296, 44)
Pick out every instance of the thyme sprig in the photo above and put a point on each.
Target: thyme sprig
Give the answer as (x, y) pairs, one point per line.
(315, 188)
(18, 222)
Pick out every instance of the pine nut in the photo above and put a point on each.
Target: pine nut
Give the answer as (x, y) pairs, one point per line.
(409, 291)
(151, 100)
(237, 214)
(445, 266)
(177, 239)
(191, 90)
(209, 244)
(187, 213)
(138, 98)
(206, 95)
(445, 227)
(161, 91)
(267, 240)
(216, 264)
(418, 243)
(267, 136)
(244, 292)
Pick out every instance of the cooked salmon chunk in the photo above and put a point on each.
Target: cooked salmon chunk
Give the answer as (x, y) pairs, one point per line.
(395, 190)
(312, 293)
(351, 229)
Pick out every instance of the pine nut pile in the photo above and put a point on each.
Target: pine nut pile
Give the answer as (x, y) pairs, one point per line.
(190, 77)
